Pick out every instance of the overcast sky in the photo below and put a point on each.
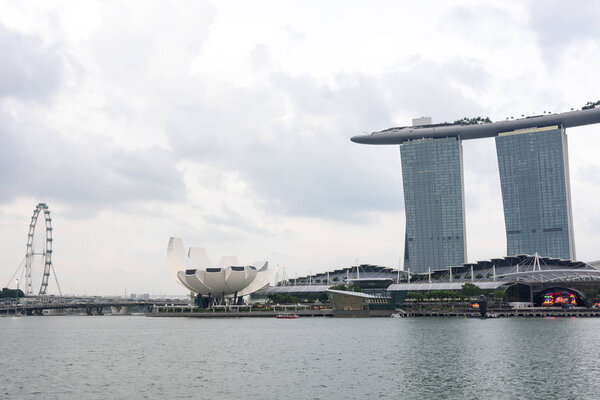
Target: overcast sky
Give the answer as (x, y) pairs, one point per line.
(228, 124)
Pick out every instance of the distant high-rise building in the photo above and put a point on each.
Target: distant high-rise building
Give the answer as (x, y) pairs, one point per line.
(434, 203)
(534, 176)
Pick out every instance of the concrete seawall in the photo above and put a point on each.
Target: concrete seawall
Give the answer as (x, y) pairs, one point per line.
(508, 313)
(241, 314)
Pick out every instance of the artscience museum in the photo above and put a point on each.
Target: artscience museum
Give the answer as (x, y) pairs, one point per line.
(227, 282)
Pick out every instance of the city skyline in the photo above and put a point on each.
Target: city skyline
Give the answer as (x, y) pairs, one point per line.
(228, 124)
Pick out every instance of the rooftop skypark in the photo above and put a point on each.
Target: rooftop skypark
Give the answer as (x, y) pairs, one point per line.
(477, 128)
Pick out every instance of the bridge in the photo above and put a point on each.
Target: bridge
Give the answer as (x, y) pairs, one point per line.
(36, 305)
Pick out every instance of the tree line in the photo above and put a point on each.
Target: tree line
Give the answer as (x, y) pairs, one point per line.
(468, 290)
(7, 293)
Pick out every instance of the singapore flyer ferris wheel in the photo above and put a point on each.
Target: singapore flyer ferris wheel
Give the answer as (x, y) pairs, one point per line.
(39, 251)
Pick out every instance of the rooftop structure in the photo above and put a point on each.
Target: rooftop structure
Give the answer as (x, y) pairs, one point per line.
(524, 277)
(364, 275)
(357, 304)
(434, 131)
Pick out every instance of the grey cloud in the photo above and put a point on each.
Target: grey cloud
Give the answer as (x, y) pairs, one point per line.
(427, 89)
(293, 33)
(40, 163)
(303, 166)
(288, 137)
(259, 56)
(325, 174)
(29, 70)
(557, 23)
(354, 101)
(235, 221)
(589, 174)
(468, 72)
(131, 40)
(124, 54)
(35, 161)
(481, 23)
(307, 166)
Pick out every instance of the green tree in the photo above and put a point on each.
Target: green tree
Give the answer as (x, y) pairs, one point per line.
(499, 294)
(473, 121)
(347, 288)
(417, 296)
(590, 296)
(591, 104)
(470, 290)
(282, 298)
(457, 295)
(7, 293)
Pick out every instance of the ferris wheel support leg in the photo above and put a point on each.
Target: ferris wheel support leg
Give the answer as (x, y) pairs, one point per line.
(56, 279)
(15, 274)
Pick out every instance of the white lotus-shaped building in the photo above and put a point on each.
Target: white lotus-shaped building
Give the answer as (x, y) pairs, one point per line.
(195, 271)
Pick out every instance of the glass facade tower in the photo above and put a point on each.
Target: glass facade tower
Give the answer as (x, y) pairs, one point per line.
(536, 195)
(432, 176)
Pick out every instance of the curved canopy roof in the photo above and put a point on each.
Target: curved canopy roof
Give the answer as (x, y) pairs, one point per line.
(419, 287)
(358, 294)
(307, 289)
(558, 276)
(554, 275)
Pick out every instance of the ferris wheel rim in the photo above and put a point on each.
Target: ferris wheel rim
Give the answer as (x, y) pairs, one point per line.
(40, 208)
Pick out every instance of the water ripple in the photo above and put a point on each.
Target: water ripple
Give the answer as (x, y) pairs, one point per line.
(74, 357)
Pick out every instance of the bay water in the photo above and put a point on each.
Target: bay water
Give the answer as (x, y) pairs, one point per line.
(136, 357)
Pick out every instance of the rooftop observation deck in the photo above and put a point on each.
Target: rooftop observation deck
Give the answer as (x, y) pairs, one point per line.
(478, 131)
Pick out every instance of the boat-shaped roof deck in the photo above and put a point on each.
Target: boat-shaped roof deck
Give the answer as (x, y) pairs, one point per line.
(478, 131)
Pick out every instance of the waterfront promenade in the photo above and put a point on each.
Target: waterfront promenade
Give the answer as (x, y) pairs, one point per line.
(509, 313)
(246, 312)
(238, 314)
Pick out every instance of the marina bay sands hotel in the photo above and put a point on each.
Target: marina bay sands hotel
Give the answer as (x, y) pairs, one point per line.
(534, 176)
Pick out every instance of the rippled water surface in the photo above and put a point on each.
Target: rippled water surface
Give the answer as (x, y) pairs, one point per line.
(100, 357)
